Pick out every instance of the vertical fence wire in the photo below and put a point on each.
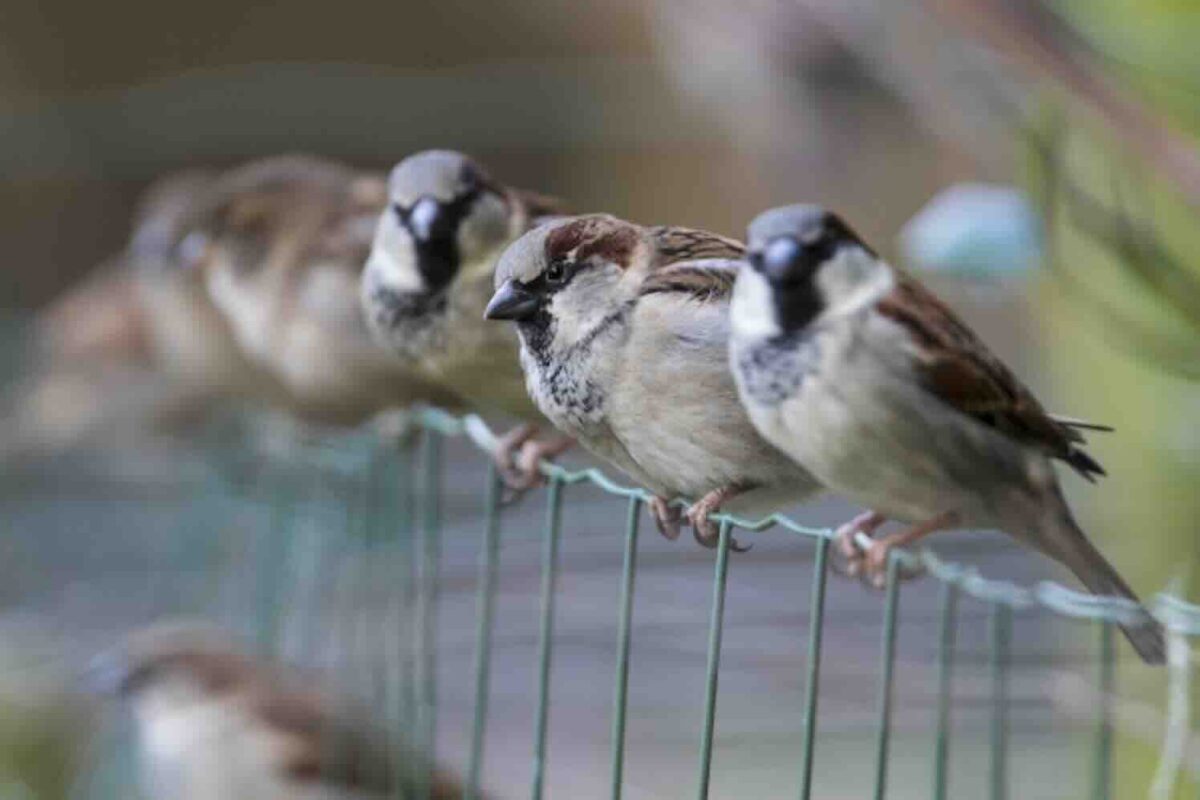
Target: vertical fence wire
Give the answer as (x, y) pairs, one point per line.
(1102, 756)
(1000, 621)
(816, 628)
(405, 611)
(888, 656)
(715, 629)
(624, 634)
(546, 632)
(431, 469)
(282, 500)
(489, 558)
(949, 607)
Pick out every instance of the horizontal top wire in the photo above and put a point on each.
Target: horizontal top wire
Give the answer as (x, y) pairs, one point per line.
(1177, 615)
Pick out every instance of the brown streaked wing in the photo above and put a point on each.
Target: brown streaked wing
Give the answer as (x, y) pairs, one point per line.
(680, 265)
(702, 282)
(688, 244)
(956, 367)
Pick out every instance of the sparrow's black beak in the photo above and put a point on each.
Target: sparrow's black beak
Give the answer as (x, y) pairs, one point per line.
(513, 302)
(433, 226)
(428, 220)
(784, 260)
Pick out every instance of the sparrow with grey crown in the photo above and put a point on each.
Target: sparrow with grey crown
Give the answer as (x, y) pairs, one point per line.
(281, 242)
(624, 332)
(429, 277)
(864, 377)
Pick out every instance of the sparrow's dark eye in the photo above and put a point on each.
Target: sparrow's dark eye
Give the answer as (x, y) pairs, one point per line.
(556, 273)
(823, 248)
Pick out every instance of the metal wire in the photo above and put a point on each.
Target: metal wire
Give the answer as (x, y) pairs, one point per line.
(624, 635)
(546, 632)
(411, 520)
(427, 605)
(999, 624)
(1047, 594)
(489, 558)
(883, 737)
(941, 753)
(816, 627)
(716, 627)
(1003, 596)
(1102, 757)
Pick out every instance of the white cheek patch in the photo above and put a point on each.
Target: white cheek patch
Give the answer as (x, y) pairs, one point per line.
(392, 259)
(246, 317)
(854, 280)
(581, 306)
(752, 310)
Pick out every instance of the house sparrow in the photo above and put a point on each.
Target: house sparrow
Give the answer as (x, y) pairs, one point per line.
(281, 243)
(134, 347)
(213, 723)
(863, 376)
(429, 277)
(189, 340)
(624, 336)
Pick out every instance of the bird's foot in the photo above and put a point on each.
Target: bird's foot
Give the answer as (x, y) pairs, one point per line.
(707, 532)
(871, 562)
(667, 517)
(844, 541)
(534, 451)
(506, 457)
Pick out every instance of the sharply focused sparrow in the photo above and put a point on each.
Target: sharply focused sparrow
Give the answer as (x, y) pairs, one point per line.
(429, 277)
(216, 724)
(863, 376)
(624, 338)
(281, 243)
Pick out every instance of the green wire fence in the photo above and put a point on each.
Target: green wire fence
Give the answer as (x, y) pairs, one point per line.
(1002, 598)
(391, 497)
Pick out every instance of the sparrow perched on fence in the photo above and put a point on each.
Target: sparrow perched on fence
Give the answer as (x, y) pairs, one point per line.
(281, 243)
(624, 337)
(863, 376)
(429, 277)
(214, 723)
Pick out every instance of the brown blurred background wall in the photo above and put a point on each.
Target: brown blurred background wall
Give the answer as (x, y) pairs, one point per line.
(582, 100)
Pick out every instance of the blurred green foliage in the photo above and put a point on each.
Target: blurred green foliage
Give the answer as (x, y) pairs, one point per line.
(1123, 304)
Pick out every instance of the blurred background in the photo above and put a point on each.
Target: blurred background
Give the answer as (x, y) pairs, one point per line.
(1036, 161)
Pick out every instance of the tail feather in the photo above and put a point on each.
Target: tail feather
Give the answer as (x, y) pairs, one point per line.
(1084, 464)
(1082, 424)
(1068, 544)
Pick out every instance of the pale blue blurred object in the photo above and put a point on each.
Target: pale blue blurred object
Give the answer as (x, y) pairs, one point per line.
(976, 230)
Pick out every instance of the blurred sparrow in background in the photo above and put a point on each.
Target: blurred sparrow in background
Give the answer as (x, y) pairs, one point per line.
(863, 376)
(215, 724)
(281, 243)
(429, 277)
(137, 346)
(624, 341)
(189, 340)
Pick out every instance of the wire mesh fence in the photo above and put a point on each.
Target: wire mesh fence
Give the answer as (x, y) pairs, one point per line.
(356, 554)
